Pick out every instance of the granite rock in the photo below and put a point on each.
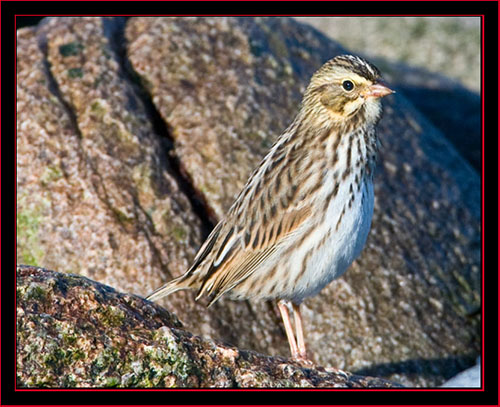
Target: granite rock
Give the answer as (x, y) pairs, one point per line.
(96, 194)
(75, 332)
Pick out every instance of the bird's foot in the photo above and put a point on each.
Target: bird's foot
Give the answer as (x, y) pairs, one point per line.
(303, 360)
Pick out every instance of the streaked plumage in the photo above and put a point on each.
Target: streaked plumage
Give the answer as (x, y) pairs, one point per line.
(305, 212)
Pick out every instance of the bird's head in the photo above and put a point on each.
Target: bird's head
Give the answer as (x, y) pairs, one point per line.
(346, 89)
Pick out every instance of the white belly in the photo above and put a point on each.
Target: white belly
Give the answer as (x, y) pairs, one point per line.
(341, 247)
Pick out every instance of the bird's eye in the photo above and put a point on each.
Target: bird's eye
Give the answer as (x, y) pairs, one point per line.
(348, 85)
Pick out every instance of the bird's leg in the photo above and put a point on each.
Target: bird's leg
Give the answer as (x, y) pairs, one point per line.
(288, 328)
(301, 344)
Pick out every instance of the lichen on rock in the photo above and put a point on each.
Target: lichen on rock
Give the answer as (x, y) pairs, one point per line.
(74, 332)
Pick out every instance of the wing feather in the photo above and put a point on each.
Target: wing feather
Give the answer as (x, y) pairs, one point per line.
(243, 258)
(263, 217)
(205, 249)
(227, 281)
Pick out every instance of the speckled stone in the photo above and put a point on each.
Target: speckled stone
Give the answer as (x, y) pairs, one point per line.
(74, 332)
(408, 309)
(95, 193)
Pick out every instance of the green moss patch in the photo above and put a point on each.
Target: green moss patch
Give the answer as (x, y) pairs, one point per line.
(70, 49)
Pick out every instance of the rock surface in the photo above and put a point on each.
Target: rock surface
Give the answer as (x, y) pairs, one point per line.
(453, 109)
(74, 332)
(112, 164)
(96, 194)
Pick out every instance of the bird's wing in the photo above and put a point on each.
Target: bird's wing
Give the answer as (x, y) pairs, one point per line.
(239, 252)
(268, 210)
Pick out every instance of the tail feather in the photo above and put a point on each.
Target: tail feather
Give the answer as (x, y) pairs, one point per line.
(172, 286)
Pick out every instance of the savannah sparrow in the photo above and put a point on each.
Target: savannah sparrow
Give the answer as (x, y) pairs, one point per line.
(305, 212)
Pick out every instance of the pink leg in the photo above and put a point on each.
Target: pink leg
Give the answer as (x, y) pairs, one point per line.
(301, 344)
(288, 328)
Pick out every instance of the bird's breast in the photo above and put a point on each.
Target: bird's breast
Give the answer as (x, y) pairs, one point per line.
(334, 243)
(343, 208)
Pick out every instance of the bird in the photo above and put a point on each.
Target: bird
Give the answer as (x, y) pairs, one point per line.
(305, 212)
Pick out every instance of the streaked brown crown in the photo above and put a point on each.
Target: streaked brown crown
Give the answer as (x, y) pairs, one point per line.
(355, 64)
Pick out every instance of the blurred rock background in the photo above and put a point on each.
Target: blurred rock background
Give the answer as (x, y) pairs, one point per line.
(445, 45)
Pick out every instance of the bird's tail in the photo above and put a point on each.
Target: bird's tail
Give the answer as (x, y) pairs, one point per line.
(176, 284)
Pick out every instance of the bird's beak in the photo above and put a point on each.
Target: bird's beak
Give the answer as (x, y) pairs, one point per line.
(377, 90)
